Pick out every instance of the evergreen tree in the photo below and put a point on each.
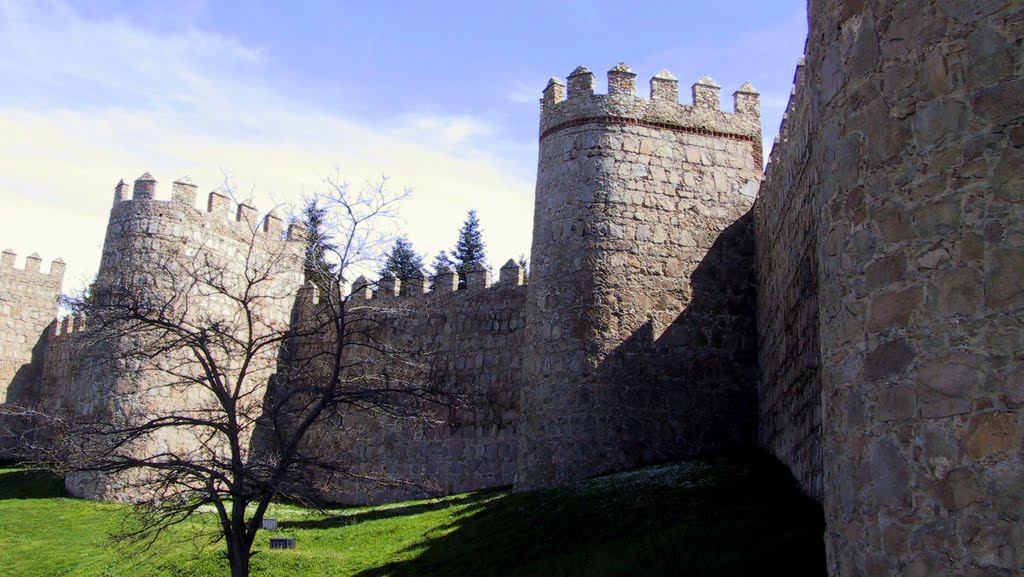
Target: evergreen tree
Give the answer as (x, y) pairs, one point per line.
(441, 260)
(402, 262)
(316, 266)
(469, 249)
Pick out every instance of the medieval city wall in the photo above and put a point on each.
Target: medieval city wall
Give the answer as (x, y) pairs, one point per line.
(789, 361)
(640, 315)
(471, 343)
(28, 305)
(885, 363)
(909, 145)
(169, 251)
(65, 350)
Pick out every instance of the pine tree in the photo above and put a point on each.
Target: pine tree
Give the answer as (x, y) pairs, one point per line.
(469, 249)
(402, 262)
(316, 266)
(441, 260)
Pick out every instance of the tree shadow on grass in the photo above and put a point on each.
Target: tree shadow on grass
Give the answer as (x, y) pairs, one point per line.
(342, 520)
(31, 484)
(735, 515)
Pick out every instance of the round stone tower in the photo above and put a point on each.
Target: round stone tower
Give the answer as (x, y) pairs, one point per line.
(169, 255)
(641, 344)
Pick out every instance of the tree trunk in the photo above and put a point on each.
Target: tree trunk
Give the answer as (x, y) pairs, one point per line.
(238, 555)
(239, 563)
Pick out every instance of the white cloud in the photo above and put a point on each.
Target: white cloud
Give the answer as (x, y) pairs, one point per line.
(453, 131)
(101, 100)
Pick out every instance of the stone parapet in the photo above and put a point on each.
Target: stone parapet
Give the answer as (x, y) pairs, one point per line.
(661, 111)
(182, 202)
(446, 283)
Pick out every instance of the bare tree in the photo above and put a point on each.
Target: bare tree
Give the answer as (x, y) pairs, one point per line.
(221, 371)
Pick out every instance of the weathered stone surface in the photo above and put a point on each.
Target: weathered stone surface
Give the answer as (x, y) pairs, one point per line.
(28, 304)
(644, 349)
(1005, 284)
(902, 164)
(888, 360)
(897, 403)
(959, 489)
(894, 308)
(888, 258)
(889, 474)
(991, 433)
(944, 387)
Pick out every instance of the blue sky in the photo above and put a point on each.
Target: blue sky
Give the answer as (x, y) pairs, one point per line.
(441, 97)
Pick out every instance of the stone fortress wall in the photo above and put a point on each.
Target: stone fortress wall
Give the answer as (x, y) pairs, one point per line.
(789, 363)
(641, 343)
(28, 303)
(65, 351)
(899, 167)
(150, 243)
(886, 241)
(473, 341)
(474, 338)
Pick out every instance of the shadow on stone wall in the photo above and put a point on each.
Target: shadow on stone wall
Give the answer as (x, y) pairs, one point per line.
(24, 391)
(688, 388)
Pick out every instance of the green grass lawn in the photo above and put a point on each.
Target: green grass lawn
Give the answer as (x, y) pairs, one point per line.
(736, 515)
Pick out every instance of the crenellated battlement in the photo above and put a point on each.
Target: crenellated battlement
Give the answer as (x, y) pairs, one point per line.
(790, 146)
(562, 109)
(69, 325)
(31, 266)
(220, 209)
(859, 319)
(511, 275)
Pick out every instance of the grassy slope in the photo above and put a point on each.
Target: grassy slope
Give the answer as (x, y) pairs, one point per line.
(729, 516)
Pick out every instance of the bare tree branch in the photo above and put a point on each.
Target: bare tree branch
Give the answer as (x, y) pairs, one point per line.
(210, 371)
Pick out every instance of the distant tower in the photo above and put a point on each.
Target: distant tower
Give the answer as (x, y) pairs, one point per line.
(640, 326)
(158, 251)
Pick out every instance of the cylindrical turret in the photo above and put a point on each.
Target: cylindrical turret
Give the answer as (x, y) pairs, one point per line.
(640, 325)
(175, 258)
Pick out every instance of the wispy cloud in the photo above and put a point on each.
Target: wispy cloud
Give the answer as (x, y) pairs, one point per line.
(92, 101)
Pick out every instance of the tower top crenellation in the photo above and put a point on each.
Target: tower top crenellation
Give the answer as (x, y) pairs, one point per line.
(32, 266)
(219, 206)
(561, 107)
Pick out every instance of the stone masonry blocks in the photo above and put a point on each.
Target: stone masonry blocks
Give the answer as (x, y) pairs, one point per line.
(653, 193)
(889, 260)
(28, 305)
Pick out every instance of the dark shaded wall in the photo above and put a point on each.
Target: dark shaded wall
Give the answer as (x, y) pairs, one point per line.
(789, 360)
(909, 145)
